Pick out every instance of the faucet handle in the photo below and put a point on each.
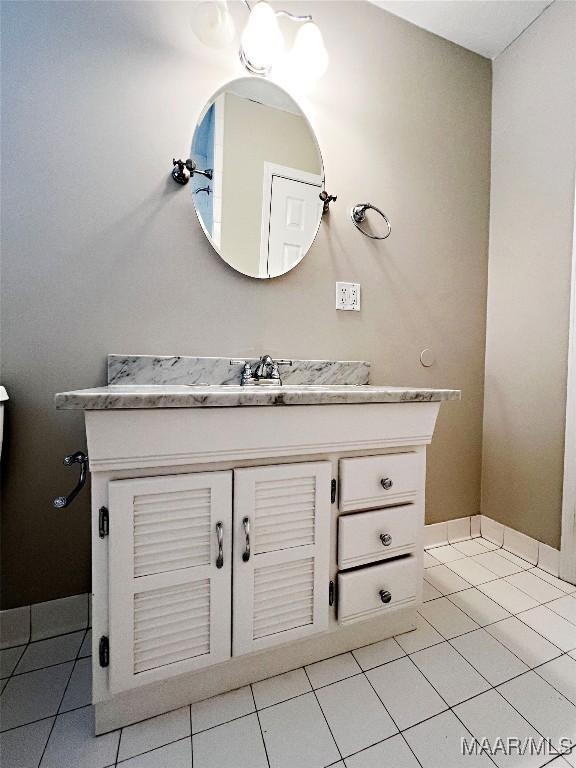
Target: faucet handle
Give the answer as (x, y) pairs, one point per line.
(247, 376)
(275, 373)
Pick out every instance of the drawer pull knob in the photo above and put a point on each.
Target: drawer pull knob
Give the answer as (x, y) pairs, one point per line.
(385, 596)
(386, 539)
(386, 483)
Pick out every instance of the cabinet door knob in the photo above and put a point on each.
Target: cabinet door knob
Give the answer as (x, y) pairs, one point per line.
(386, 483)
(385, 596)
(220, 539)
(386, 539)
(246, 553)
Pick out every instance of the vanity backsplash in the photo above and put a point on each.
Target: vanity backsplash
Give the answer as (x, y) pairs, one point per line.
(174, 370)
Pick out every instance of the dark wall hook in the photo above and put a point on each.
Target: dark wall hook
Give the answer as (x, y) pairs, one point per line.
(183, 170)
(327, 199)
(74, 458)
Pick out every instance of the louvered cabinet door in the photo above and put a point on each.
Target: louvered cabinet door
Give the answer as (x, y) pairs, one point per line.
(280, 592)
(170, 595)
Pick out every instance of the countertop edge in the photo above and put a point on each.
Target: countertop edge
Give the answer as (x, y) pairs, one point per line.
(106, 400)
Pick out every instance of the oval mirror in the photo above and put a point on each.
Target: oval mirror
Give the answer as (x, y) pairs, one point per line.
(258, 177)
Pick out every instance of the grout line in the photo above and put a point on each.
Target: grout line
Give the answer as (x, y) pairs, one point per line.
(507, 680)
(433, 686)
(495, 687)
(48, 666)
(260, 725)
(60, 704)
(535, 669)
(32, 722)
(448, 640)
(391, 718)
(148, 751)
(118, 746)
(450, 707)
(512, 616)
(321, 710)
(481, 626)
(232, 719)
(298, 696)
(519, 617)
(491, 687)
(18, 660)
(191, 735)
(367, 645)
(548, 738)
(44, 639)
(552, 599)
(468, 631)
(382, 741)
(470, 732)
(449, 593)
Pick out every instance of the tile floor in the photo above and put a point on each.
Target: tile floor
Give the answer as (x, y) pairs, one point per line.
(494, 655)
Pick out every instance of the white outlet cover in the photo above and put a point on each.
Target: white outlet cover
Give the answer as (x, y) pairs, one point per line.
(348, 296)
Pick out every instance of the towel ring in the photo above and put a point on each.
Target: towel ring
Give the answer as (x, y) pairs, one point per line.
(358, 215)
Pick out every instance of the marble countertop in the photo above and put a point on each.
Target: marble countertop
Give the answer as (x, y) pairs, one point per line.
(227, 396)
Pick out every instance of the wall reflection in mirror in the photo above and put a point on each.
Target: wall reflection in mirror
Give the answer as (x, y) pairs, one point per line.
(261, 209)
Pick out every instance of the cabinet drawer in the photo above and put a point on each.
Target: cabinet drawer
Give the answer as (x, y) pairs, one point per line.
(379, 481)
(366, 537)
(369, 592)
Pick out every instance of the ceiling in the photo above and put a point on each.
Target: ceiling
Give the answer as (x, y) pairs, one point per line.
(486, 27)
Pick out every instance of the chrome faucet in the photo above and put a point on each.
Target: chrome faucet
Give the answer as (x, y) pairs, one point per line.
(265, 371)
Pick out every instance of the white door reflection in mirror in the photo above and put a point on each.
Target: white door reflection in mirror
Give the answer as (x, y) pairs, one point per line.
(291, 208)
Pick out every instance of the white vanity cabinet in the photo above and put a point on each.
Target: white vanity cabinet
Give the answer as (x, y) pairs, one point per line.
(281, 554)
(176, 580)
(170, 590)
(231, 544)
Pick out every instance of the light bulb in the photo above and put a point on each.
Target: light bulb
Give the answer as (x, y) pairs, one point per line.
(309, 56)
(213, 25)
(262, 41)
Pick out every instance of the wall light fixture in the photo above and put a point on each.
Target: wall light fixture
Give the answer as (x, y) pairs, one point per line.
(262, 44)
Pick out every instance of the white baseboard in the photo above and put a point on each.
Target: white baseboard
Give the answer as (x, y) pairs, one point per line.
(27, 623)
(536, 552)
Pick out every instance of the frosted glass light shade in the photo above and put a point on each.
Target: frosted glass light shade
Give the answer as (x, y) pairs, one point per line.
(309, 55)
(262, 41)
(213, 25)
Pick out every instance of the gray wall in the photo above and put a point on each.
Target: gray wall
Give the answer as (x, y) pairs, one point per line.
(531, 222)
(103, 253)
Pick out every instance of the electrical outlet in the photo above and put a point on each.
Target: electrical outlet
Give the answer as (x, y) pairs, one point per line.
(348, 296)
(354, 296)
(342, 295)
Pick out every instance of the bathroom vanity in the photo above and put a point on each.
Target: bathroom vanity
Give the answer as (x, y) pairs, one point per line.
(240, 532)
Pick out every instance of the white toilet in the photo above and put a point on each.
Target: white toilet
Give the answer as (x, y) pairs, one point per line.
(3, 397)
